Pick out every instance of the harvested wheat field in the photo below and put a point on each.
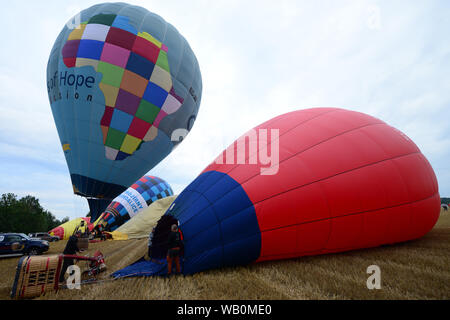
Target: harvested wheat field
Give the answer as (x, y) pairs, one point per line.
(414, 270)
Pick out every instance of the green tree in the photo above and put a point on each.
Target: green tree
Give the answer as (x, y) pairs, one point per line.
(25, 215)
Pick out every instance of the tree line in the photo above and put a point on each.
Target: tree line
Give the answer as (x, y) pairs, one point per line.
(25, 215)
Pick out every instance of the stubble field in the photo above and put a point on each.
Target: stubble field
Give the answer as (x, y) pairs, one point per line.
(417, 269)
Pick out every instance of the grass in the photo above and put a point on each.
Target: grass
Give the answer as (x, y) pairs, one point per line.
(413, 270)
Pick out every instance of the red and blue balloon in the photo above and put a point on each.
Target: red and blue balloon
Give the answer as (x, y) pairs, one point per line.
(345, 181)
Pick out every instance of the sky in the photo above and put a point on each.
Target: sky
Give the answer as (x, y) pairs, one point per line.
(258, 59)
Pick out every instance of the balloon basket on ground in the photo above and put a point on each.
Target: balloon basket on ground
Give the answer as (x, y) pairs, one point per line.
(37, 275)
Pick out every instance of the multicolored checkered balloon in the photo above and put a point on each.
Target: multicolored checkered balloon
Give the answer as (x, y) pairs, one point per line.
(125, 89)
(139, 196)
(136, 79)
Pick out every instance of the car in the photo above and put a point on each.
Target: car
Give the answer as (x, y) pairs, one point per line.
(15, 244)
(43, 236)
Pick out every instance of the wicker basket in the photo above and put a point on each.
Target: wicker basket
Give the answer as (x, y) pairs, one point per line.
(36, 275)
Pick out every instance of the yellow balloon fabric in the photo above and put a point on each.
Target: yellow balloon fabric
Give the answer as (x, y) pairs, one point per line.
(65, 230)
(142, 224)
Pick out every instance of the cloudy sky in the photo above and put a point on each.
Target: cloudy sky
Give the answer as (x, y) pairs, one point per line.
(258, 59)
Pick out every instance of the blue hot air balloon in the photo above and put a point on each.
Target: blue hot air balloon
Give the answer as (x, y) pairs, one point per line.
(123, 85)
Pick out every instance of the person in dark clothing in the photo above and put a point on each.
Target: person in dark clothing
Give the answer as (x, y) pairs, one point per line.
(71, 248)
(173, 254)
(99, 233)
(150, 241)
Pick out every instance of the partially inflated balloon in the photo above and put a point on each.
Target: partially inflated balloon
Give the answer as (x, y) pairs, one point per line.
(339, 180)
(136, 198)
(124, 85)
(67, 229)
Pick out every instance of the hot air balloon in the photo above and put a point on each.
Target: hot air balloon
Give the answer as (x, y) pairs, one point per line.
(142, 223)
(132, 201)
(67, 229)
(327, 180)
(124, 87)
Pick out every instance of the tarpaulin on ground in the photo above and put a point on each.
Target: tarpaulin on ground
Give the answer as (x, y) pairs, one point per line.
(143, 268)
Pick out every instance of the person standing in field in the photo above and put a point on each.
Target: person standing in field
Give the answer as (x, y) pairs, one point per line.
(70, 249)
(173, 254)
(99, 233)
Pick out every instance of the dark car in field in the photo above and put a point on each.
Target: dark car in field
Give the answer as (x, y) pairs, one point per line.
(43, 236)
(14, 244)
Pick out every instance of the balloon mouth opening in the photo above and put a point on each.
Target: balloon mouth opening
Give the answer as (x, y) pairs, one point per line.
(160, 238)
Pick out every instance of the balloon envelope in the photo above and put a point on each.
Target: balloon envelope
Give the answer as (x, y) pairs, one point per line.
(143, 223)
(124, 86)
(133, 201)
(67, 229)
(343, 180)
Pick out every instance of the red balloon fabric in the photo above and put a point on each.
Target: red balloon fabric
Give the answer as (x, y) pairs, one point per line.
(345, 180)
(308, 182)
